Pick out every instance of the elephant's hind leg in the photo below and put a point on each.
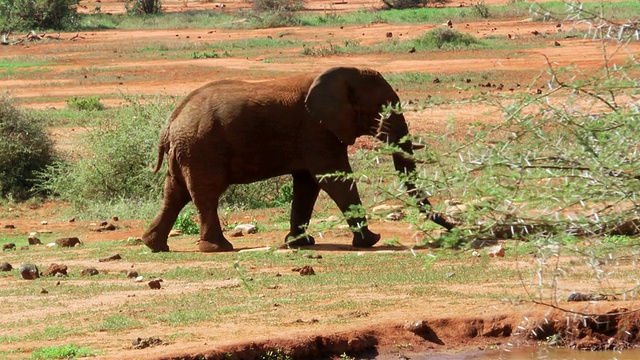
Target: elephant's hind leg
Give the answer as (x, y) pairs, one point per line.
(305, 193)
(175, 198)
(206, 188)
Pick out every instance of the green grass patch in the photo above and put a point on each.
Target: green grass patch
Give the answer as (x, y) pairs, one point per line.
(62, 352)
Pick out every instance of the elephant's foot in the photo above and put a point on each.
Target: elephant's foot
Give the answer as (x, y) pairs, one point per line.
(220, 246)
(365, 238)
(155, 244)
(296, 241)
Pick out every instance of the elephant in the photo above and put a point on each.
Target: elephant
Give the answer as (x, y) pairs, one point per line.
(238, 132)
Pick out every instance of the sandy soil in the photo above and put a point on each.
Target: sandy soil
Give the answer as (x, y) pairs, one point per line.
(106, 63)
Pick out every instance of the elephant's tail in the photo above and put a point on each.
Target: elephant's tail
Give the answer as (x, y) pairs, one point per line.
(162, 149)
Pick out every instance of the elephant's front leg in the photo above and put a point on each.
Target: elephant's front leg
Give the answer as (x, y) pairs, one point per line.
(345, 194)
(305, 193)
(175, 198)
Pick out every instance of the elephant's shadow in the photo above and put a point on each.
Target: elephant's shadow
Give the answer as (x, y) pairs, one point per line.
(383, 248)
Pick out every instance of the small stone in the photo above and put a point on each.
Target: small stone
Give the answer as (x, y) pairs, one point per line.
(5, 266)
(175, 232)
(236, 233)
(389, 34)
(496, 251)
(68, 242)
(89, 272)
(55, 269)
(9, 226)
(32, 240)
(23, 248)
(43, 222)
(28, 271)
(132, 274)
(395, 216)
(43, 291)
(577, 296)
(417, 327)
(246, 229)
(72, 220)
(111, 258)
(9, 246)
(115, 218)
(307, 270)
(155, 284)
(50, 245)
(139, 279)
(103, 223)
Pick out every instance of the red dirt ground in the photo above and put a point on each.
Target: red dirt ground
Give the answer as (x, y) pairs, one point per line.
(104, 63)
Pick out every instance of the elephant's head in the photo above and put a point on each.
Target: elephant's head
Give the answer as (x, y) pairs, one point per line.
(348, 101)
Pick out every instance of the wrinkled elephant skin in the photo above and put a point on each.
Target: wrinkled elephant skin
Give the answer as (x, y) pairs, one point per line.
(237, 132)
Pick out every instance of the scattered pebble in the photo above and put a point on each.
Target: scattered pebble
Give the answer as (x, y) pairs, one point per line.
(111, 258)
(9, 226)
(43, 291)
(496, 251)
(5, 266)
(43, 222)
(155, 284)
(132, 274)
(89, 272)
(576, 296)
(28, 271)
(139, 279)
(55, 269)
(32, 240)
(9, 246)
(68, 242)
(152, 341)
(307, 270)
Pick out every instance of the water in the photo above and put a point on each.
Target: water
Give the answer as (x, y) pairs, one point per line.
(536, 354)
(557, 354)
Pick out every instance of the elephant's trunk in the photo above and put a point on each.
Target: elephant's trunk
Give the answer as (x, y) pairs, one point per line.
(396, 134)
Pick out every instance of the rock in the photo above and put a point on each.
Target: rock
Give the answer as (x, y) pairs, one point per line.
(5, 266)
(389, 34)
(310, 256)
(106, 227)
(450, 24)
(43, 222)
(50, 245)
(307, 270)
(89, 272)
(246, 229)
(9, 226)
(139, 278)
(385, 208)
(55, 269)
(9, 246)
(577, 296)
(115, 218)
(236, 233)
(132, 274)
(395, 216)
(140, 343)
(412, 50)
(134, 241)
(417, 327)
(103, 223)
(174, 232)
(111, 258)
(43, 291)
(32, 240)
(68, 242)
(28, 271)
(155, 284)
(23, 248)
(496, 251)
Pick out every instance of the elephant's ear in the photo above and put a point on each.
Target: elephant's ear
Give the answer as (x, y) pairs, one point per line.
(331, 102)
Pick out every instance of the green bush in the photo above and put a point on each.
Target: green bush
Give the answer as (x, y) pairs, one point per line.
(114, 159)
(25, 149)
(24, 15)
(136, 7)
(89, 103)
(444, 37)
(275, 13)
(186, 223)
